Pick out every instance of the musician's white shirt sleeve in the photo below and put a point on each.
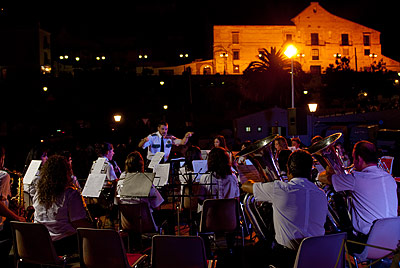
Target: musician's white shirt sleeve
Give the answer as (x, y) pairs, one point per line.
(373, 196)
(299, 209)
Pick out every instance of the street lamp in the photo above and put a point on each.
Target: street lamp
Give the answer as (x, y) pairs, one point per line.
(117, 118)
(290, 51)
(312, 107)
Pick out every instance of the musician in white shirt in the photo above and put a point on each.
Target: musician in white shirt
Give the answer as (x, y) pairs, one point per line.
(299, 207)
(373, 191)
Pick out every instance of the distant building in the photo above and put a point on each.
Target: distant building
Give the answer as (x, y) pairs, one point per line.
(25, 52)
(320, 37)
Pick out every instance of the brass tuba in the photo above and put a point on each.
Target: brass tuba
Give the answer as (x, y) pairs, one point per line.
(260, 213)
(324, 152)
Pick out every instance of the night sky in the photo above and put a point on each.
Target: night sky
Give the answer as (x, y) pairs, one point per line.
(187, 25)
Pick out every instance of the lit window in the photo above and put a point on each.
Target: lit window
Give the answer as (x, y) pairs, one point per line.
(236, 54)
(248, 129)
(367, 40)
(315, 54)
(235, 37)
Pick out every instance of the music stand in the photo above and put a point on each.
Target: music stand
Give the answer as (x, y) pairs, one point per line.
(136, 185)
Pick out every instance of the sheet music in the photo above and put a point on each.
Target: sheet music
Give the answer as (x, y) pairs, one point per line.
(199, 168)
(156, 159)
(32, 170)
(98, 165)
(162, 174)
(93, 185)
(248, 162)
(182, 175)
(136, 185)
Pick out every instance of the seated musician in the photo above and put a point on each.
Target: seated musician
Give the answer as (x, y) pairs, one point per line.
(5, 213)
(59, 205)
(372, 191)
(299, 208)
(219, 182)
(134, 163)
(106, 150)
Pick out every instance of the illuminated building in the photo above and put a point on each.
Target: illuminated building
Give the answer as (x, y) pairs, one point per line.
(321, 39)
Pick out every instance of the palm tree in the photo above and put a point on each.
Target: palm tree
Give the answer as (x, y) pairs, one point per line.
(267, 80)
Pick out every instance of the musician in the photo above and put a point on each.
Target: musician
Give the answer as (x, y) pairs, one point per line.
(192, 153)
(161, 142)
(5, 213)
(219, 182)
(282, 153)
(299, 207)
(372, 190)
(296, 144)
(59, 206)
(134, 163)
(105, 151)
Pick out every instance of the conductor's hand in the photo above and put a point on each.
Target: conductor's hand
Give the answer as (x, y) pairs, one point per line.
(189, 134)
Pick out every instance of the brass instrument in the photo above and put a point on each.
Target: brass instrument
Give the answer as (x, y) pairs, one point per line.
(260, 213)
(326, 155)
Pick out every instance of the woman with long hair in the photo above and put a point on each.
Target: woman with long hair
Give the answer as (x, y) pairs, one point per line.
(219, 182)
(58, 205)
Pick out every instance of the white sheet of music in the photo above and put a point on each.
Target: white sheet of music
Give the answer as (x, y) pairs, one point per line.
(199, 167)
(162, 174)
(98, 166)
(93, 185)
(156, 159)
(32, 170)
(182, 175)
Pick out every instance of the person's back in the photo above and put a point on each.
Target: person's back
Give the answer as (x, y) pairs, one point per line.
(299, 206)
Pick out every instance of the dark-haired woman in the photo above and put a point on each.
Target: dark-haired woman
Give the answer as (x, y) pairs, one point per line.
(219, 182)
(106, 151)
(58, 205)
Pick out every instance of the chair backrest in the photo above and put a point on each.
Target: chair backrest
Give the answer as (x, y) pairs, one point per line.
(101, 248)
(384, 233)
(33, 244)
(137, 218)
(178, 252)
(220, 215)
(322, 251)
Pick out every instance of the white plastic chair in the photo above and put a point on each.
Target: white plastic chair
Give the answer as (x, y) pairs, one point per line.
(322, 251)
(384, 233)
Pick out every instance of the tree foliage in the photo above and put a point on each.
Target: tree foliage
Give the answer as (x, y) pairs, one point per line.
(267, 80)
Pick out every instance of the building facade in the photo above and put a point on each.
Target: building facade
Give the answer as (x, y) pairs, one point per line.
(320, 37)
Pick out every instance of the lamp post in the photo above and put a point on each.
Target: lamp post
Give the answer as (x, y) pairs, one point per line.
(290, 51)
(312, 107)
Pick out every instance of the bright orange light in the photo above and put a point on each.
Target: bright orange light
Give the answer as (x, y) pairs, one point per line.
(290, 51)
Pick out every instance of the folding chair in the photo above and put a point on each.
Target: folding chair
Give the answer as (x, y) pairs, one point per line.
(178, 252)
(220, 216)
(384, 233)
(33, 244)
(103, 248)
(322, 251)
(136, 219)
